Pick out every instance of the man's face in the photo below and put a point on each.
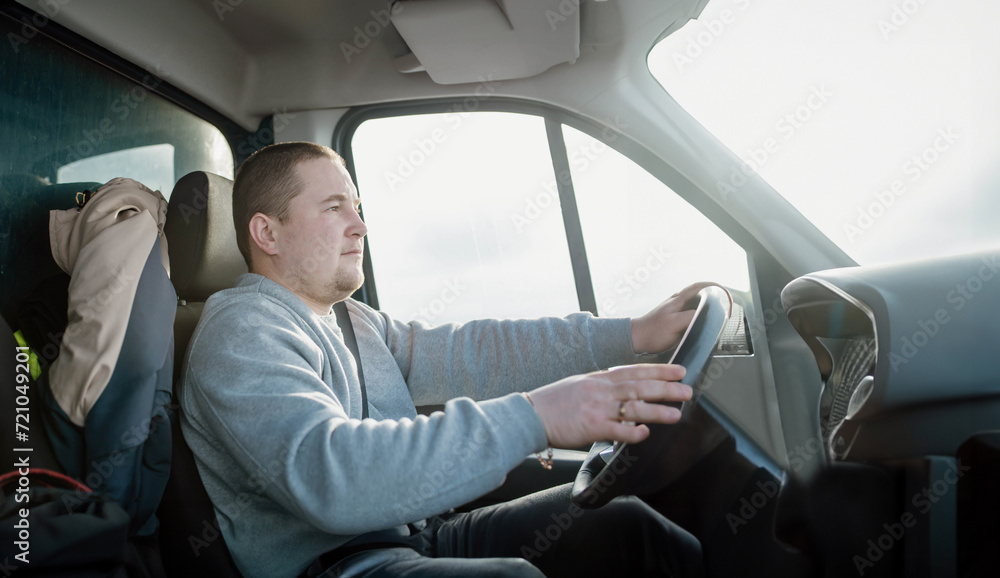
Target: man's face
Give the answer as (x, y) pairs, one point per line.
(321, 242)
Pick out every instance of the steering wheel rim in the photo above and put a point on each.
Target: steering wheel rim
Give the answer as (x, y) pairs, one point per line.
(613, 469)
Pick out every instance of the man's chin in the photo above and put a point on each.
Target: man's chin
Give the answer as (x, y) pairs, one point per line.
(344, 288)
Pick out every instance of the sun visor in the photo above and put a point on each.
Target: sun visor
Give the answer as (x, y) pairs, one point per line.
(462, 41)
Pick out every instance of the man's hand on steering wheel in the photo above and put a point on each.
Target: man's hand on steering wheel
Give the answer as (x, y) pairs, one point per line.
(611, 470)
(661, 328)
(603, 405)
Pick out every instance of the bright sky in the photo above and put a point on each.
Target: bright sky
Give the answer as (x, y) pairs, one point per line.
(882, 116)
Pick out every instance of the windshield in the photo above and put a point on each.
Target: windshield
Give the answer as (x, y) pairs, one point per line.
(878, 121)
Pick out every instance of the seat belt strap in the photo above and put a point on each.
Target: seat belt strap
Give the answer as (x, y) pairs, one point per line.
(347, 328)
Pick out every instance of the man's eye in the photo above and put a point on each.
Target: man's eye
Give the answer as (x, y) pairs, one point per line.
(334, 208)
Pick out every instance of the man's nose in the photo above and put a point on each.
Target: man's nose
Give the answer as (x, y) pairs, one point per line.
(358, 227)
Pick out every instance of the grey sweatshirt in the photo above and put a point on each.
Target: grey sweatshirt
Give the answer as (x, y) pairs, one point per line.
(271, 408)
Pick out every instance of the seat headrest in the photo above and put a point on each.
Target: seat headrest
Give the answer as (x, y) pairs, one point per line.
(201, 237)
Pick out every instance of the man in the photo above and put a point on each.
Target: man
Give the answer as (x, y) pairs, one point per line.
(272, 409)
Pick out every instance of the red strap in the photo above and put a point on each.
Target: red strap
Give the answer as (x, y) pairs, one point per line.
(45, 478)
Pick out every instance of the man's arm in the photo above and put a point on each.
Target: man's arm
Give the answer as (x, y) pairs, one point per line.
(258, 392)
(491, 357)
(488, 358)
(484, 359)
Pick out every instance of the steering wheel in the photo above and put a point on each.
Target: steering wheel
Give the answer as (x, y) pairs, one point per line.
(613, 469)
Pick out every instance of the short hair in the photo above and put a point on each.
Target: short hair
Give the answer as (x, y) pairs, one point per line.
(267, 182)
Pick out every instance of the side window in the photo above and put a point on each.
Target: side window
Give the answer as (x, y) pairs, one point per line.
(643, 241)
(64, 119)
(152, 165)
(442, 195)
(68, 123)
(465, 221)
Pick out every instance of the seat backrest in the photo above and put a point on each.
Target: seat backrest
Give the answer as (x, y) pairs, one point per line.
(204, 259)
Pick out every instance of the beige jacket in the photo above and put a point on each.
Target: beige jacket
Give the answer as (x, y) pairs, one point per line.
(103, 246)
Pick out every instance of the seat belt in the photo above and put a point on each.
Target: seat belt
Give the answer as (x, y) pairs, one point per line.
(344, 321)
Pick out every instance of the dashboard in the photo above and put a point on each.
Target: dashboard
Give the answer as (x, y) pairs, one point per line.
(907, 353)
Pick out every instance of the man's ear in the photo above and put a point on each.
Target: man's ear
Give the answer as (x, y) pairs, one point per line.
(263, 233)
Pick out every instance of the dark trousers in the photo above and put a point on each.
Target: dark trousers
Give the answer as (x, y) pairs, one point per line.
(543, 534)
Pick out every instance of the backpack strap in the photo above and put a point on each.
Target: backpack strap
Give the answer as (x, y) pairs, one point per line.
(344, 321)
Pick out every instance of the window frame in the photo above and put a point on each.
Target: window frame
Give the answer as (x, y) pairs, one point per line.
(553, 118)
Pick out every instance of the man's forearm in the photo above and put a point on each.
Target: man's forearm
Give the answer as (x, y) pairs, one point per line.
(485, 359)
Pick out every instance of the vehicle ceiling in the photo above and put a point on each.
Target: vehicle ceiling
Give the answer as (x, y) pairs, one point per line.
(248, 59)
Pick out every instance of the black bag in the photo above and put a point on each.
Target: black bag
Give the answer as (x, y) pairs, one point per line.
(56, 526)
